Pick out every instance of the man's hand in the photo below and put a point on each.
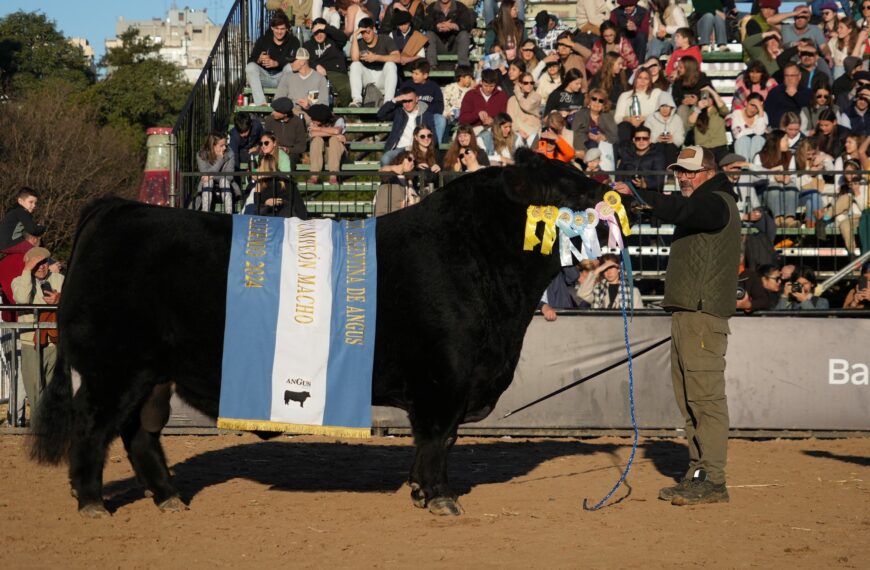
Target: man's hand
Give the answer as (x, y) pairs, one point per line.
(622, 188)
(604, 267)
(548, 312)
(485, 118)
(369, 57)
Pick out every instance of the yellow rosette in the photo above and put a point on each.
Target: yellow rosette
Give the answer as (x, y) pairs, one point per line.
(614, 200)
(551, 213)
(534, 215)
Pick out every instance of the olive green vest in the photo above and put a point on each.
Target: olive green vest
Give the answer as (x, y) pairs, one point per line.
(703, 266)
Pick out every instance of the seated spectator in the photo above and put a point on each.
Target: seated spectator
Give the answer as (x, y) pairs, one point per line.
(465, 142)
(500, 142)
(851, 200)
(482, 103)
(844, 86)
(606, 291)
(814, 69)
(754, 79)
(654, 67)
(666, 17)
(763, 286)
(612, 41)
(244, 138)
(546, 32)
(828, 11)
(413, 45)
(215, 157)
(830, 137)
(405, 113)
(274, 195)
(429, 93)
(11, 265)
(289, 130)
(590, 15)
(822, 100)
(781, 194)
(559, 293)
(373, 62)
(326, 10)
(684, 47)
(765, 20)
(448, 24)
(594, 127)
(510, 82)
(551, 78)
(571, 54)
(748, 126)
(811, 184)
(303, 85)
(326, 50)
(857, 113)
(592, 160)
(689, 78)
(327, 142)
(859, 296)
(633, 20)
(411, 7)
(531, 56)
(641, 155)
(797, 294)
(666, 128)
(37, 285)
(19, 221)
(525, 108)
(635, 105)
(765, 48)
(854, 148)
(844, 44)
(555, 140)
(354, 12)
(791, 124)
(507, 28)
(801, 29)
(427, 157)
(398, 190)
(710, 22)
(268, 146)
(705, 119)
(611, 77)
(270, 56)
(568, 98)
(454, 93)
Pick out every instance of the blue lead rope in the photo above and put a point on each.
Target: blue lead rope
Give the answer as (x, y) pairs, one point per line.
(630, 397)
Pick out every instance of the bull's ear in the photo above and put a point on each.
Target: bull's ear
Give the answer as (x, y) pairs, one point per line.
(524, 181)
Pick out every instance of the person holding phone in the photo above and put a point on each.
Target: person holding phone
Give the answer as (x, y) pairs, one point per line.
(37, 285)
(641, 156)
(271, 56)
(859, 296)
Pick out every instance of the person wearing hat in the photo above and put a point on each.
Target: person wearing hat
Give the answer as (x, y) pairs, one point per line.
(288, 129)
(327, 141)
(326, 55)
(860, 79)
(37, 285)
(270, 57)
(633, 20)
(700, 287)
(374, 61)
(303, 85)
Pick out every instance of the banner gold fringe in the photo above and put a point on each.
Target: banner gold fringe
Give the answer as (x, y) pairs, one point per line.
(263, 425)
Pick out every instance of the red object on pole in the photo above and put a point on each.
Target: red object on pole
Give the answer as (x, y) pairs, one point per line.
(154, 188)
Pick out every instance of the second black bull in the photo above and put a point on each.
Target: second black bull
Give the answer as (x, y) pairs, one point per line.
(143, 308)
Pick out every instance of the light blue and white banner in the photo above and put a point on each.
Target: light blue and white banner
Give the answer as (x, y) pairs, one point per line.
(300, 325)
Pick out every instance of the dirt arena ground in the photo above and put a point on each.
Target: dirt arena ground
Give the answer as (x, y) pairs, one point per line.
(309, 502)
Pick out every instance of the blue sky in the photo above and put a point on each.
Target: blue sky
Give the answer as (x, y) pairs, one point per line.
(95, 19)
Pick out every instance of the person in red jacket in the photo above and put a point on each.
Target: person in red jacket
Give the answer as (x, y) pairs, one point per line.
(684, 46)
(481, 104)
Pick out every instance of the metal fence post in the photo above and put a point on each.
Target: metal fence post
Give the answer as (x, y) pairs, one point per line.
(13, 391)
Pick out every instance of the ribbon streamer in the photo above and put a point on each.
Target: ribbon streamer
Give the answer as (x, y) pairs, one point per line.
(534, 215)
(568, 228)
(614, 200)
(607, 214)
(591, 247)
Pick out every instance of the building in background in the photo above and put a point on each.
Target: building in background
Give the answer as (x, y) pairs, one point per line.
(186, 37)
(87, 50)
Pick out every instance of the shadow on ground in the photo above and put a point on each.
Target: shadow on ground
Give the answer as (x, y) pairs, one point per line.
(856, 459)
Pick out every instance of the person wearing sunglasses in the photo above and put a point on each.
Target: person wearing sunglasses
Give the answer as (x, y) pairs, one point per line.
(594, 127)
(640, 155)
(822, 100)
(857, 113)
(801, 28)
(763, 287)
(269, 147)
(814, 69)
(525, 109)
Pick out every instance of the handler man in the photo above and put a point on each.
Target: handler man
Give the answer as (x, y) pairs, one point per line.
(700, 289)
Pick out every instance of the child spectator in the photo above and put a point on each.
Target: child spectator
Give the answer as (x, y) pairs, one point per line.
(555, 141)
(428, 93)
(19, 221)
(374, 59)
(326, 49)
(684, 47)
(525, 108)
(327, 141)
(214, 156)
(605, 290)
(592, 159)
(464, 143)
(244, 138)
(270, 56)
(454, 92)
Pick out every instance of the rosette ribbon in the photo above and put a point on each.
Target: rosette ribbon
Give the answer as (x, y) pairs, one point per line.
(591, 247)
(608, 215)
(535, 215)
(614, 200)
(568, 225)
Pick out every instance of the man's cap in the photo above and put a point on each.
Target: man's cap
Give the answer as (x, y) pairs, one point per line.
(592, 154)
(769, 4)
(320, 113)
(832, 6)
(36, 252)
(542, 19)
(405, 89)
(302, 53)
(862, 76)
(731, 158)
(282, 105)
(366, 23)
(850, 63)
(401, 17)
(691, 158)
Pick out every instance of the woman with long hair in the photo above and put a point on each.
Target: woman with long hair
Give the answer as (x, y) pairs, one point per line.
(748, 126)
(689, 77)
(812, 183)
(510, 81)
(666, 17)
(754, 79)
(271, 194)
(851, 201)
(215, 156)
(269, 146)
(659, 80)
(464, 141)
(398, 187)
(790, 123)
(424, 150)
(501, 142)
(781, 194)
(823, 99)
(855, 149)
(568, 98)
(844, 44)
(612, 41)
(684, 46)
(551, 78)
(611, 77)
(525, 108)
(529, 56)
(594, 126)
(634, 106)
(829, 136)
(509, 29)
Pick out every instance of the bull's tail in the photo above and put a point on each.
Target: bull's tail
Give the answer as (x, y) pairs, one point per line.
(52, 422)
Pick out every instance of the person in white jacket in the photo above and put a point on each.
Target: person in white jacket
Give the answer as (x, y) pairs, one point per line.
(666, 17)
(647, 96)
(748, 126)
(666, 128)
(603, 289)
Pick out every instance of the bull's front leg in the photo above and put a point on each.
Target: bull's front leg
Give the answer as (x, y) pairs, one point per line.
(428, 480)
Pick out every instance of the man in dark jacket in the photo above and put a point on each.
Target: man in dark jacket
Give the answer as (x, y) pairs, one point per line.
(413, 7)
(244, 137)
(640, 155)
(859, 113)
(406, 113)
(700, 292)
(448, 24)
(789, 96)
(326, 50)
(289, 130)
(633, 20)
(271, 55)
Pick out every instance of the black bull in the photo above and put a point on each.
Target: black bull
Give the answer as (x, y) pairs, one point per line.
(143, 309)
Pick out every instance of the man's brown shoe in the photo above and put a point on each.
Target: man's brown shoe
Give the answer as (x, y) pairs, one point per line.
(667, 493)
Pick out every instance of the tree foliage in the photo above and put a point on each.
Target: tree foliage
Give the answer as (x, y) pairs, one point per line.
(59, 148)
(32, 49)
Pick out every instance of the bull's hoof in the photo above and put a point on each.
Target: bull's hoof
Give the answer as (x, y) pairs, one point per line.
(94, 511)
(417, 496)
(445, 506)
(173, 505)
(73, 493)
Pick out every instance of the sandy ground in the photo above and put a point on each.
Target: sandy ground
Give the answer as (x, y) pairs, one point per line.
(309, 502)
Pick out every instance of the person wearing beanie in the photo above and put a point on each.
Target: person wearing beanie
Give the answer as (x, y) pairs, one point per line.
(303, 85)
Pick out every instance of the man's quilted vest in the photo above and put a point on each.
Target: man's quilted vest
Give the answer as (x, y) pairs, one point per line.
(702, 268)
